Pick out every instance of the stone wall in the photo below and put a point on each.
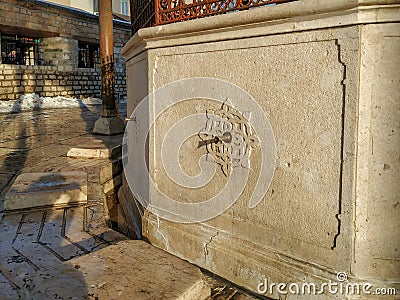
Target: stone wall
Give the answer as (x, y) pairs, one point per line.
(48, 20)
(59, 29)
(51, 81)
(59, 51)
(326, 76)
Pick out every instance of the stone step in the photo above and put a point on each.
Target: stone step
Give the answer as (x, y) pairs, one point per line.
(94, 152)
(46, 189)
(96, 147)
(131, 269)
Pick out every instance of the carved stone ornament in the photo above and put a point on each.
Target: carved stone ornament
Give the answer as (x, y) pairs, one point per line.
(229, 138)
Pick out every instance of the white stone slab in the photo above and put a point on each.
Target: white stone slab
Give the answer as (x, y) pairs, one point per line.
(46, 189)
(95, 149)
(131, 269)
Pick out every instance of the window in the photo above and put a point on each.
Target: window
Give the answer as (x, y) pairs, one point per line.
(124, 7)
(95, 6)
(18, 50)
(88, 56)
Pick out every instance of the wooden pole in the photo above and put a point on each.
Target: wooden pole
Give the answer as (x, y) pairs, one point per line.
(107, 59)
(109, 122)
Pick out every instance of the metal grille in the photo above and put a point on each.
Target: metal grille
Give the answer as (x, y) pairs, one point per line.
(88, 55)
(170, 11)
(142, 14)
(18, 50)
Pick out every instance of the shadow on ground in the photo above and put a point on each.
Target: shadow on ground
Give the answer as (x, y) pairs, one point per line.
(46, 238)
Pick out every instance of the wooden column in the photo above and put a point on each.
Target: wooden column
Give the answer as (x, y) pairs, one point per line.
(109, 122)
(107, 59)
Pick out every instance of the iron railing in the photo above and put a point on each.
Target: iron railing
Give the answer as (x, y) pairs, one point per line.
(145, 13)
(142, 14)
(170, 11)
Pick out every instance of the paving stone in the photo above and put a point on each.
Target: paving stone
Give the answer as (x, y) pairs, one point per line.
(46, 189)
(8, 291)
(41, 240)
(110, 187)
(6, 150)
(5, 180)
(110, 170)
(52, 237)
(222, 289)
(74, 225)
(96, 226)
(14, 267)
(26, 242)
(29, 140)
(128, 270)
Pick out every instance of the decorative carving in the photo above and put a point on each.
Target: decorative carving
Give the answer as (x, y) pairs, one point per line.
(169, 11)
(231, 137)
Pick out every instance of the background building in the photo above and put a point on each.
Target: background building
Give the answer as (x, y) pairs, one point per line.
(53, 50)
(119, 6)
